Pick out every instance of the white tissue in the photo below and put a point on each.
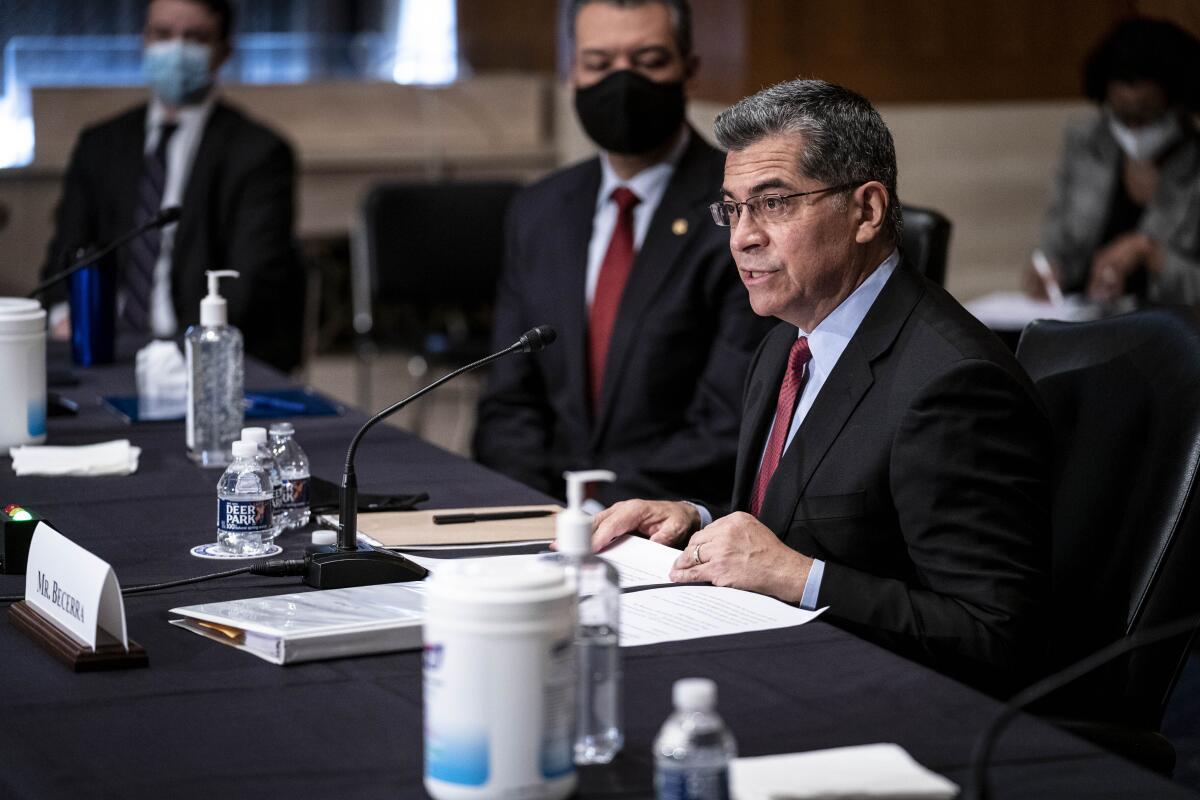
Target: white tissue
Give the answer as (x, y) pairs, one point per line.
(865, 771)
(108, 458)
(161, 381)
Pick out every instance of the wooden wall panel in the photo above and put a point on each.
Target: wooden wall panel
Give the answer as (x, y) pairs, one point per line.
(508, 35)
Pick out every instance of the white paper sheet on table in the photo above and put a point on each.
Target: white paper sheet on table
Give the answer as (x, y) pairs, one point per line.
(677, 613)
(866, 771)
(639, 562)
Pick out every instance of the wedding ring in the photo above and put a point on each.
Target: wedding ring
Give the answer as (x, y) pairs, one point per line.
(696, 554)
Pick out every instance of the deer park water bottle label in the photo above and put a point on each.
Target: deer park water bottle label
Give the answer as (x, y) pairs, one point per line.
(295, 493)
(244, 516)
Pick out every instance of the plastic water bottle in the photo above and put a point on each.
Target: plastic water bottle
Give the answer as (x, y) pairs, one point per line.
(244, 495)
(293, 469)
(267, 459)
(693, 748)
(214, 388)
(598, 735)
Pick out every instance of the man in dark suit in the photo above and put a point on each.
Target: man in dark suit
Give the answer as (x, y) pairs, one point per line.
(232, 177)
(618, 255)
(893, 457)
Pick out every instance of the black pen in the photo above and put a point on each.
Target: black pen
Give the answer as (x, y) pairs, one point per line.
(455, 519)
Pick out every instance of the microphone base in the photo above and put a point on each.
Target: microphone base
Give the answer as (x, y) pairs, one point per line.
(366, 566)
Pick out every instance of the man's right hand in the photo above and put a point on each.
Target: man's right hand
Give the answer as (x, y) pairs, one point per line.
(663, 521)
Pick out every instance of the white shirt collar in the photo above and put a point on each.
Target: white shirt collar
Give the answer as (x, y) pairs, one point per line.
(651, 183)
(189, 116)
(829, 339)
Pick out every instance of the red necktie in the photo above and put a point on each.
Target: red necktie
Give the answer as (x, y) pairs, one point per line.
(614, 272)
(785, 407)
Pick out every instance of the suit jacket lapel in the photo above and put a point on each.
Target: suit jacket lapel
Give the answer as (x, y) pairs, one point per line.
(199, 188)
(686, 198)
(578, 212)
(841, 394)
(127, 164)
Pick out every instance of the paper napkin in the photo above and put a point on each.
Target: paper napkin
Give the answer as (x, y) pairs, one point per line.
(108, 458)
(866, 771)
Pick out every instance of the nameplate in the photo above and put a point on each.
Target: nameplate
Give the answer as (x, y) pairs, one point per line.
(74, 589)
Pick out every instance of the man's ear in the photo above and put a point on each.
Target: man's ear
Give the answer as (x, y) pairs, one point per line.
(871, 201)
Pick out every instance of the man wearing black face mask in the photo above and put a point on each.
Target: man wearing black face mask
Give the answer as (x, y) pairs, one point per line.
(656, 330)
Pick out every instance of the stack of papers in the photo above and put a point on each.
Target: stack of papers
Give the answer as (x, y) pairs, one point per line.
(109, 458)
(866, 771)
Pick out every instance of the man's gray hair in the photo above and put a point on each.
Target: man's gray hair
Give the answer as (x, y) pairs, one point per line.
(845, 139)
(680, 11)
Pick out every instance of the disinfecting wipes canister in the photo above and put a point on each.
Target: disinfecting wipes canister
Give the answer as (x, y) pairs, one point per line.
(499, 678)
(23, 366)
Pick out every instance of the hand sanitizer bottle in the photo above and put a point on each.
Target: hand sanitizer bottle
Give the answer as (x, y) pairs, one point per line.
(214, 387)
(598, 735)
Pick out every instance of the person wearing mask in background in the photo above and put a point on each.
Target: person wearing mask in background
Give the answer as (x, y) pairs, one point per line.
(617, 253)
(1124, 216)
(233, 178)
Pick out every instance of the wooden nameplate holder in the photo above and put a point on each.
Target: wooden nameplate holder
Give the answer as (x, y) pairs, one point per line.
(72, 651)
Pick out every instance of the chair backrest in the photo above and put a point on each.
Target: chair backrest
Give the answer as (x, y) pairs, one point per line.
(424, 244)
(926, 241)
(1123, 395)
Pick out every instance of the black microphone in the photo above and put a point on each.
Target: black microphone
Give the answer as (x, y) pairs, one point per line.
(164, 217)
(348, 564)
(977, 788)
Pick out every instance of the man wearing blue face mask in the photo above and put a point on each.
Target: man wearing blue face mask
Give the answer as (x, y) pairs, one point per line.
(232, 177)
(617, 253)
(1122, 220)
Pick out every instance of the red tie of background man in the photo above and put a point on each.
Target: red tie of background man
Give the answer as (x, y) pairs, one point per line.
(785, 407)
(614, 272)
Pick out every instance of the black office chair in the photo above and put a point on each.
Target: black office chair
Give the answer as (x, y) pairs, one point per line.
(926, 241)
(426, 261)
(1123, 395)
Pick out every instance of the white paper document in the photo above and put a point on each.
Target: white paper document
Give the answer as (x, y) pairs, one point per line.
(675, 613)
(865, 771)
(639, 562)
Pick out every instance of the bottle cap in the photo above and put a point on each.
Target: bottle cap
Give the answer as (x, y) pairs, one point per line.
(244, 449)
(213, 308)
(694, 694)
(256, 435)
(282, 429)
(324, 537)
(573, 526)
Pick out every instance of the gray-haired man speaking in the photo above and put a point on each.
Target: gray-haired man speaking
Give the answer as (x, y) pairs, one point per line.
(892, 457)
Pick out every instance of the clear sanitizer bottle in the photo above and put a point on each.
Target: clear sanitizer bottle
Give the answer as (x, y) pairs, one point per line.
(267, 459)
(214, 387)
(693, 748)
(598, 734)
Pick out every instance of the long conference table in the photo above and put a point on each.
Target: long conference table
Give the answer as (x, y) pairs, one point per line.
(208, 721)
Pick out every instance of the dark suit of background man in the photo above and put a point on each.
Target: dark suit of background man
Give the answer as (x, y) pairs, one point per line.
(617, 253)
(893, 457)
(233, 178)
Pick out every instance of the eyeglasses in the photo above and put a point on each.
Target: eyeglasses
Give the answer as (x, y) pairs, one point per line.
(765, 207)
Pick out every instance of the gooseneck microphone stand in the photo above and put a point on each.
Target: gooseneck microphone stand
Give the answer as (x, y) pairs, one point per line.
(348, 564)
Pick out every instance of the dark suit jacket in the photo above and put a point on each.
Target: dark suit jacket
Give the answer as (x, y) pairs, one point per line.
(237, 214)
(667, 422)
(921, 477)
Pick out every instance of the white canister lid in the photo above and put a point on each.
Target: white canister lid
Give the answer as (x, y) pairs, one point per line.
(21, 315)
(484, 591)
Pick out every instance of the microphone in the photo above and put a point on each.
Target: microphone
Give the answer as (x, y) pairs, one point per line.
(977, 788)
(350, 565)
(164, 217)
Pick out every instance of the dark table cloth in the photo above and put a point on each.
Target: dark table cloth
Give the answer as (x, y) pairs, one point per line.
(209, 721)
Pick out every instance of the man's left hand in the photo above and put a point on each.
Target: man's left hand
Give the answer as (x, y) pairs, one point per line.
(1116, 261)
(739, 551)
